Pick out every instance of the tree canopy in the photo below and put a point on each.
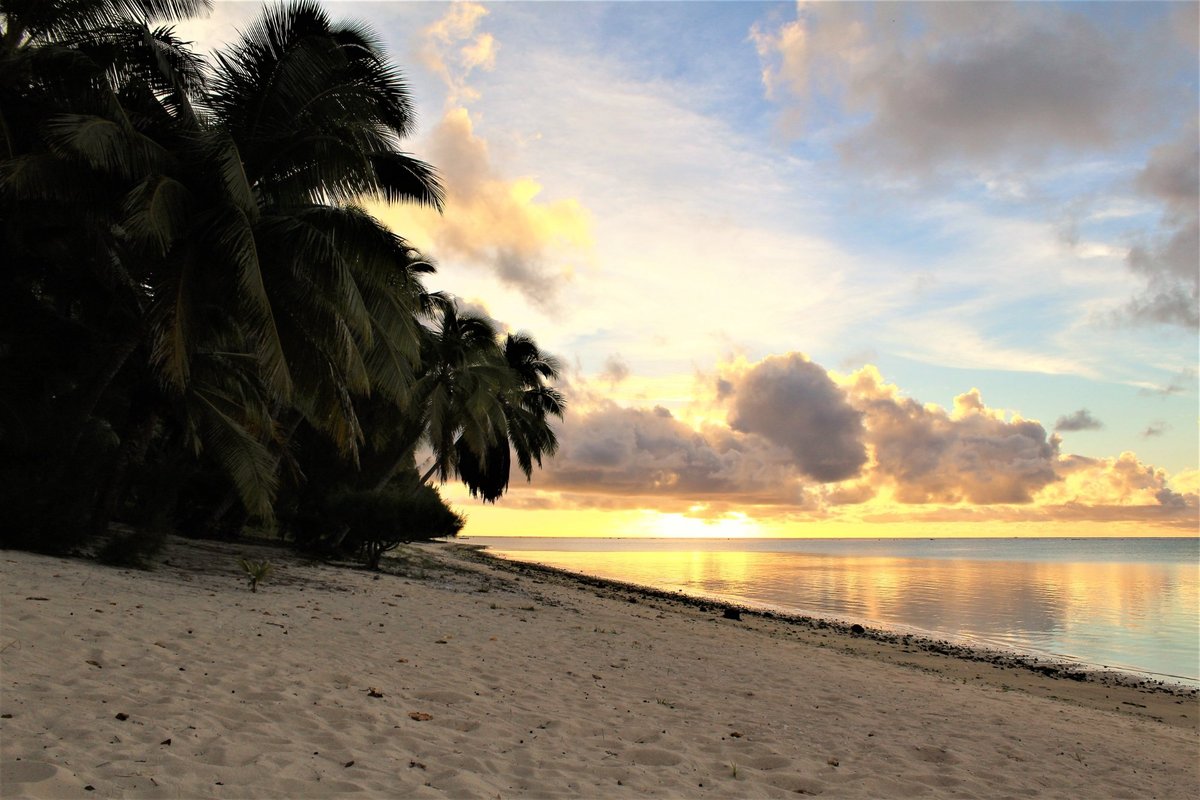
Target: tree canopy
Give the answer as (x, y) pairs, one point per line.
(199, 324)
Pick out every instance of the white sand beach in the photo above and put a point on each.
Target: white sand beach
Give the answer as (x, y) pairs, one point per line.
(480, 681)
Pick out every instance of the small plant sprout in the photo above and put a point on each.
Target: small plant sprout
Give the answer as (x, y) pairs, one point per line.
(256, 571)
(733, 769)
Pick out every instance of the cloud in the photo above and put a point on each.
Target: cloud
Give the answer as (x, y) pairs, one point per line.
(1003, 97)
(1081, 420)
(639, 452)
(496, 222)
(453, 50)
(1185, 381)
(947, 337)
(615, 369)
(939, 85)
(792, 402)
(1186, 481)
(491, 220)
(799, 442)
(982, 96)
(1156, 428)
(1167, 260)
(925, 454)
(1123, 481)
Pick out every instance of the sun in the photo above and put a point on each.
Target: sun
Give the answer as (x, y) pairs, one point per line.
(729, 525)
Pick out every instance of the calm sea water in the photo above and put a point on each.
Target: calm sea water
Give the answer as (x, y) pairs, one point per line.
(1130, 604)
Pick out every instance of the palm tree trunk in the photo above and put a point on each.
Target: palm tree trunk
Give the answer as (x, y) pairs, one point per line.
(12, 36)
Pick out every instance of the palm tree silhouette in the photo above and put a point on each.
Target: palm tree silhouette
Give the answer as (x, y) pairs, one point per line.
(528, 404)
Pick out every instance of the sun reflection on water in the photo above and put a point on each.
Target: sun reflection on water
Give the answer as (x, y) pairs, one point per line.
(1131, 615)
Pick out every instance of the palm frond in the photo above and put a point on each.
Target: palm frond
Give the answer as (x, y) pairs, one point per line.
(157, 212)
(400, 178)
(172, 314)
(68, 20)
(231, 237)
(104, 144)
(246, 459)
(311, 105)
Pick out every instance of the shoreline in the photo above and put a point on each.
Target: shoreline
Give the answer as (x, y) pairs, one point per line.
(452, 675)
(976, 649)
(943, 655)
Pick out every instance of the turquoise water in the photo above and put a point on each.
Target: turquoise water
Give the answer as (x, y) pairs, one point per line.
(1128, 604)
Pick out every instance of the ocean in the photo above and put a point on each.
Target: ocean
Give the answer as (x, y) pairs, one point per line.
(1127, 604)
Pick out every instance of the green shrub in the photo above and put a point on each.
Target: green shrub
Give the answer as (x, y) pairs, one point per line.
(403, 512)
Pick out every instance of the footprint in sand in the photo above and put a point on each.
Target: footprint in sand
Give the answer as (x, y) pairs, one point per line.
(935, 755)
(38, 779)
(767, 762)
(653, 757)
(449, 698)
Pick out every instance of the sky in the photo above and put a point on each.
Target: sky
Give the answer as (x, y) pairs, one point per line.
(823, 269)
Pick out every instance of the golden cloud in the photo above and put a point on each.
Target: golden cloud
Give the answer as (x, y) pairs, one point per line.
(800, 443)
(452, 49)
(1120, 481)
(494, 222)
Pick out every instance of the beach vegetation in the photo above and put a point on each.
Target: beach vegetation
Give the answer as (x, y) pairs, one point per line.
(377, 522)
(256, 571)
(200, 326)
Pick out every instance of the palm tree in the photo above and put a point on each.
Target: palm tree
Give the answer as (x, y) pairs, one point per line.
(83, 90)
(305, 117)
(315, 115)
(219, 229)
(526, 431)
(187, 269)
(37, 23)
(455, 395)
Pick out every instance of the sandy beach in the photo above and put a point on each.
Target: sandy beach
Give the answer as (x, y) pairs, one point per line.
(462, 678)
